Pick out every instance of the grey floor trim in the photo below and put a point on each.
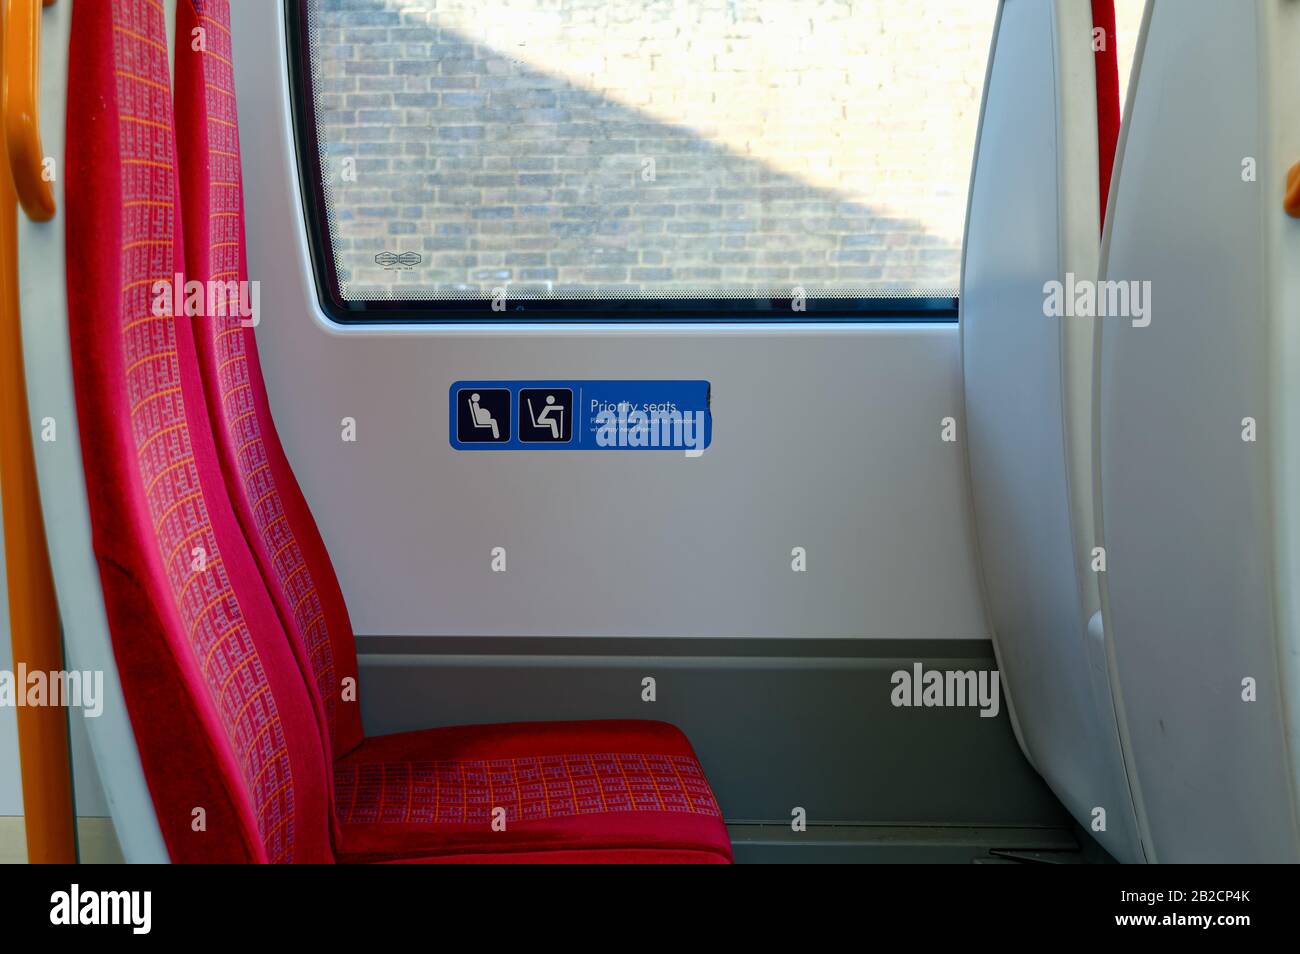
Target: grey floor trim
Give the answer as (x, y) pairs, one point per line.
(889, 844)
(858, 647)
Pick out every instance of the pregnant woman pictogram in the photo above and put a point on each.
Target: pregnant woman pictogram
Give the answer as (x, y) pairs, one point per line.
(482, 417)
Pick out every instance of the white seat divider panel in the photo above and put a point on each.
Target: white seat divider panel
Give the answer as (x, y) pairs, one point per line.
(1199, 480)
(1033, 219)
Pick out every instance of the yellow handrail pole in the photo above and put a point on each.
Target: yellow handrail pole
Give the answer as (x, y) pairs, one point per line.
(33, 610)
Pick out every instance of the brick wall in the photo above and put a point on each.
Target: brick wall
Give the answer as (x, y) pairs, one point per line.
(585, 147)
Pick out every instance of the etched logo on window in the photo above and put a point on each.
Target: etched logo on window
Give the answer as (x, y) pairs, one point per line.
(398, 260)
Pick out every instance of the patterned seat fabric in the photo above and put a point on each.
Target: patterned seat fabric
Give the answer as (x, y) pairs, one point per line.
(623, 790)
(263, 490)
(226, 731)
(571, 791)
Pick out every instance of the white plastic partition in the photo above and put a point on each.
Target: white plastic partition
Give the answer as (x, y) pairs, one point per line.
(1199, 520)
(1033, 219)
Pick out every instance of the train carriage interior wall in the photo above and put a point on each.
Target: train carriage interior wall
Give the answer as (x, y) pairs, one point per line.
(650, 431)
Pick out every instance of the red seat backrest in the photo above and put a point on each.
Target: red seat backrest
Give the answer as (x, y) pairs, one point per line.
(1106, 61)
(227, 734)
(268, 502)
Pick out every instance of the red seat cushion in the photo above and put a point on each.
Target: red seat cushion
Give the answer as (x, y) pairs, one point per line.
(629, 856)
(587, 791)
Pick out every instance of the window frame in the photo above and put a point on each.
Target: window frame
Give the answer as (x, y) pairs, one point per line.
(540, 311)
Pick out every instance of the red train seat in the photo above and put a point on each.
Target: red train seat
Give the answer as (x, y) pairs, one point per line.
(226, 731)
(227, 619)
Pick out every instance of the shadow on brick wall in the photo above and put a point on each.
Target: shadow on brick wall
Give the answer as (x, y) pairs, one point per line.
(500, 174)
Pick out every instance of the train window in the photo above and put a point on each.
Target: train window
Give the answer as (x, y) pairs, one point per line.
(479, 160)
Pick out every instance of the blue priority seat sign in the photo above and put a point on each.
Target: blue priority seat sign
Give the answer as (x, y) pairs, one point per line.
(580, 415)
